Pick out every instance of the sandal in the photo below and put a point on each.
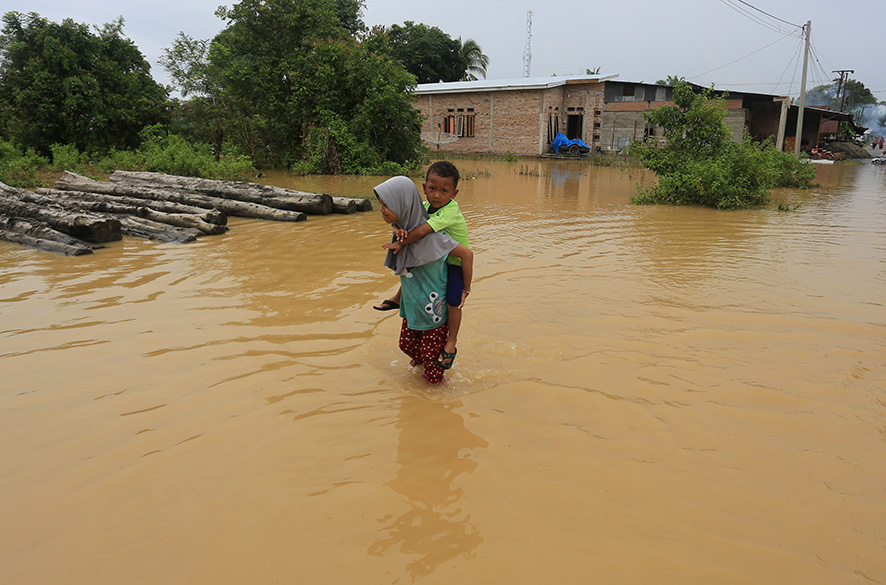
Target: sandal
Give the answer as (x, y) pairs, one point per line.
(445, 355)
(386, 305)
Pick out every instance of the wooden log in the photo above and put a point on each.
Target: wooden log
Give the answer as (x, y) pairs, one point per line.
(344, 205)
(139, 227)
(80, 200)
(44, 244)
(230, 207)
(85, 226)
(136, 196)
(276, 197)
(363, 204)
(38, 229)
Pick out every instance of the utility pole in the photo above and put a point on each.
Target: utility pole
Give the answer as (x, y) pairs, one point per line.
(841, 87)
(527, 52)
(802, 104)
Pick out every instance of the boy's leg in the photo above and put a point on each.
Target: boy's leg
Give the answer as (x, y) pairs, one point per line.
(454, 323)
(454, 286)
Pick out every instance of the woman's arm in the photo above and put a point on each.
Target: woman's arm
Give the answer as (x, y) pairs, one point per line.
(467, 269)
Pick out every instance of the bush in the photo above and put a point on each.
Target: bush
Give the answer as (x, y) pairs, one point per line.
(19, 168)
(700, 165)
(172, 154)
(66, 157)
(333, 148)
(123, 160)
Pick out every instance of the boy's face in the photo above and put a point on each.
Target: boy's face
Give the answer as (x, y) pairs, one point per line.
(439, 190)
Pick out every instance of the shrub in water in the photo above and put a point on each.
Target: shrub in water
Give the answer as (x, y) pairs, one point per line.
(699, 164)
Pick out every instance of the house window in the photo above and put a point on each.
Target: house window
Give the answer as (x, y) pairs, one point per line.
(628, 90)
(460, 122)
(648, 131)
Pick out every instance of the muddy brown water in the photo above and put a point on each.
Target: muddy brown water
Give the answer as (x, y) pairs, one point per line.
(642, 395)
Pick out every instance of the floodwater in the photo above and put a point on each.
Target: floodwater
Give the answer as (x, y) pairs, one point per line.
(642, 395)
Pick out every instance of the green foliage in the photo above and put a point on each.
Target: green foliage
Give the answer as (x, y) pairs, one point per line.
(699, 164)
(160, 151)
(846, 132)
(427, 52)
(285, 78)
(64, 84)
(474, 60)
(856, 94)
(19, 168)
(170, 153)
(334, 148)
(66, 157)
(670, 81)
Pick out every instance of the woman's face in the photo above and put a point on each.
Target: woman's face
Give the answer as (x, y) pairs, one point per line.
(386, 213)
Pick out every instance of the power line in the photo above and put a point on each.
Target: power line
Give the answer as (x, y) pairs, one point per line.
(769, 15)
(795, 60)
(733, 4)
(741, 58)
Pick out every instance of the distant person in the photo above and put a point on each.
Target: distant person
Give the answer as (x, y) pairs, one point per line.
(880, 143)
(440, 188)
(422, 268)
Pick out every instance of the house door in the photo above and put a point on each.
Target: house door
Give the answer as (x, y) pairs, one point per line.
(574, 124)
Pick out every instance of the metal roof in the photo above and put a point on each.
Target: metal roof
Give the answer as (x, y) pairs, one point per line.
(507, 84)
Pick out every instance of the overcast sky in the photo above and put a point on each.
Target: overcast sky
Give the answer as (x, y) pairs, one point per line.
(705, 41)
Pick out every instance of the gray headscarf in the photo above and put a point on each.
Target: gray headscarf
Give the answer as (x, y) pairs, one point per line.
(401, 196)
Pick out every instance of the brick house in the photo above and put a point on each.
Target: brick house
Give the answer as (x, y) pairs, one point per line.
(522, 116)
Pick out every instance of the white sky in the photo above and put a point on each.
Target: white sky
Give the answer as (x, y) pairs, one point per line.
(706, 41)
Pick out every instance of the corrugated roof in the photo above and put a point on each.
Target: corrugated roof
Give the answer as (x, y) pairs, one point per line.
(507, 84)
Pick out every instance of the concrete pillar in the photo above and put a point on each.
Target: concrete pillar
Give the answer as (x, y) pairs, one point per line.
(782, 121)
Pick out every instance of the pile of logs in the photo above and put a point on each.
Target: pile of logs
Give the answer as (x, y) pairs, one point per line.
(81, 214)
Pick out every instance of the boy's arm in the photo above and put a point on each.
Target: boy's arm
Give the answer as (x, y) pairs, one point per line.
(467, 270)
(417, 234)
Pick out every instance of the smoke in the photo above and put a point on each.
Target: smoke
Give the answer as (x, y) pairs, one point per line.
(873, 116)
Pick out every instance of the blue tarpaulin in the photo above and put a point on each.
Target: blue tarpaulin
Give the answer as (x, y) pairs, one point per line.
(560, 141)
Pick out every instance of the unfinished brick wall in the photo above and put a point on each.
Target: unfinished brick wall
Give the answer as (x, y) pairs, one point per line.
(513, 120)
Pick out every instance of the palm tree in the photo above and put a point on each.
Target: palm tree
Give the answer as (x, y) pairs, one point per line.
(474, 60)
(671, 81)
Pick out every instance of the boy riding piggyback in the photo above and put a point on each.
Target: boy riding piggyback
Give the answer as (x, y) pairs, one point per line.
(440, 188)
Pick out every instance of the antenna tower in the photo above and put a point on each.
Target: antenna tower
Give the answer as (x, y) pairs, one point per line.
(527, 52)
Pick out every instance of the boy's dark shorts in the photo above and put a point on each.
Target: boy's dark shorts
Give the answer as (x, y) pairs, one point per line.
(454, 285)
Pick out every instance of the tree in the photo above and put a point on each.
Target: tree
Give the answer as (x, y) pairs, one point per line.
(856, 95)
(594, 71)
(699, 164)
(295, 86)
(671, 81)
(62, 83)
(204, 117)
(474, 60)
(427, 52)
(349, 13)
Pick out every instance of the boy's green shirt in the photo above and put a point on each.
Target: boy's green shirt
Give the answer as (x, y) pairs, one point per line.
(449, 220)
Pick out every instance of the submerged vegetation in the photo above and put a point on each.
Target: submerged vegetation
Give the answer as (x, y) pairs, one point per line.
(699, 164)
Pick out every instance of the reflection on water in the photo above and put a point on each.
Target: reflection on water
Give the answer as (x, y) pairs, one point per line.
(433, 450)
(642, 394)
